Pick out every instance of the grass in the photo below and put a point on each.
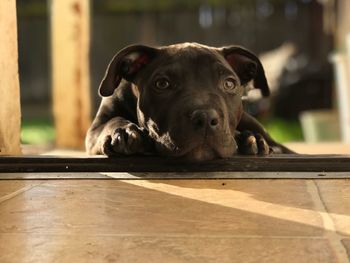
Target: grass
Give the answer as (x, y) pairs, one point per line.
(42, 131)
(284, 130)
(37, 131)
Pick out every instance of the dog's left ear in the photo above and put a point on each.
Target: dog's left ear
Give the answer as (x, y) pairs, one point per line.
(247, 66)
(126, 64)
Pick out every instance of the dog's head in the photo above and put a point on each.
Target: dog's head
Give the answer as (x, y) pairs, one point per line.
(189, 95)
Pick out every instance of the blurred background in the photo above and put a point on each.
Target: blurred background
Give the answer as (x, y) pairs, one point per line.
(302, 45)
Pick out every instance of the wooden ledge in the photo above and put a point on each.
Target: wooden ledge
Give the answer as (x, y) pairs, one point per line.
(150, 164)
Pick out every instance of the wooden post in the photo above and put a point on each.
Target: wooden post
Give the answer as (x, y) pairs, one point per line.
(70, 65)
(341, 61)
(343, 23)
(10, 113)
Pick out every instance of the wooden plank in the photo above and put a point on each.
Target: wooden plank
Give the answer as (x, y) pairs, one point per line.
(70, 63)
(174, 175)
(274, 163)
(10, 113)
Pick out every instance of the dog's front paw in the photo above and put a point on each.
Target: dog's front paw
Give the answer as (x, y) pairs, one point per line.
(252, 144)
(127, 140)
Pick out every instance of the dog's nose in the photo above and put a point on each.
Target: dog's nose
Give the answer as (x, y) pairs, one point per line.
(205, 119)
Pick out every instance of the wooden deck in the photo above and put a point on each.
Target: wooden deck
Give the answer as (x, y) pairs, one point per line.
(99, 209)
(222, 220)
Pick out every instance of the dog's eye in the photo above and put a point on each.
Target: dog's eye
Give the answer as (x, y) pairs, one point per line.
(162, 84)
(230, 85)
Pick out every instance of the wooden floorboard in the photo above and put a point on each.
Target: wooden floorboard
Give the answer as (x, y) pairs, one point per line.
(173, 221)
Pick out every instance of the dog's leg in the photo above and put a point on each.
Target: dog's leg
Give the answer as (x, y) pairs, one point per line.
(118, 136)
(111, 134)
(252, 138)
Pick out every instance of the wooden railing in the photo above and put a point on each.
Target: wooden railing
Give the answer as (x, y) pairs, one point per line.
(70, 64)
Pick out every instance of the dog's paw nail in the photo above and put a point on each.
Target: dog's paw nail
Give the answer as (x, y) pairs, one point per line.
(252, 144)
(133, 135)
(251, 140)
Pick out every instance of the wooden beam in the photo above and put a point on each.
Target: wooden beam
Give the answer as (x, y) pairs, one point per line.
(70, 64)
(148, 164)
(171, 175)
(10, 113)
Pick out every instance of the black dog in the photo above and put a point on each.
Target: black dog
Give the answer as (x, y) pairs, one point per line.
(182, 100)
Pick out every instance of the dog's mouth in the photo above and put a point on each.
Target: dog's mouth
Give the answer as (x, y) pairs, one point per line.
(198, 152)
(201, 153)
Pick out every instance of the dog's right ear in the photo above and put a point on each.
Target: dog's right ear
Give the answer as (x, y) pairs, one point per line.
(247, 66)
(125, 65)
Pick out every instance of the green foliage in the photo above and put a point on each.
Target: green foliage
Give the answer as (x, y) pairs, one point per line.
(37, 131)
(284, 130)
(42, 131)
